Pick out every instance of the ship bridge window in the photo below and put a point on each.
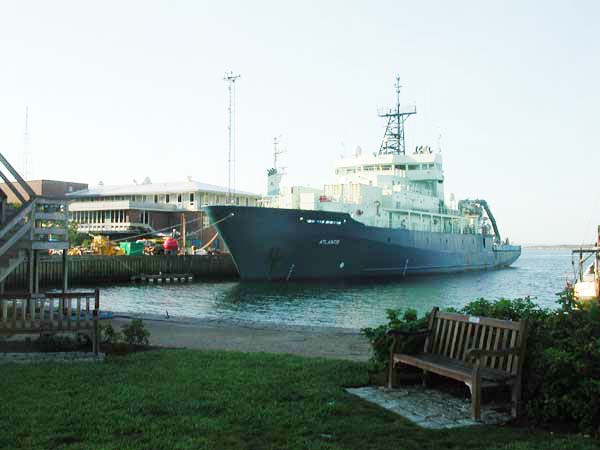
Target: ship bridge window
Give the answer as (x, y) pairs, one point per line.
(388, 167)
(400, 166)
(412, 166)
(368, 168)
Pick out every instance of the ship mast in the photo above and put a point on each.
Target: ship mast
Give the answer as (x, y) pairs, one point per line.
(393, 140)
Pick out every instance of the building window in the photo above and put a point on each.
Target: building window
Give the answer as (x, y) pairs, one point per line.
(167, 198)
(191, 197)
(179, 198)
(155, 198)
(246, 201)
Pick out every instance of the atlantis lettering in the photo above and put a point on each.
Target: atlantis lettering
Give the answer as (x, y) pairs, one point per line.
(329, 242)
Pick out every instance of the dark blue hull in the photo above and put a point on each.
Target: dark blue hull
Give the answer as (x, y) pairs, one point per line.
(284, 244)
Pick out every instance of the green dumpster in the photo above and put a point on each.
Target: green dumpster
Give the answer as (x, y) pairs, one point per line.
(132, 248)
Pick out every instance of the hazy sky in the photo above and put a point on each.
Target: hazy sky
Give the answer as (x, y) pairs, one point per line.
(120, 90)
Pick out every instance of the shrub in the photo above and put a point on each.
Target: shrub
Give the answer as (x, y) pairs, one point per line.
(108, 335)
(136, 333)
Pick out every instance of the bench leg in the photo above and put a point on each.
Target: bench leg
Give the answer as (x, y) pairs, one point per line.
(95, 339)
(391, 374)
(475, 400)
(515, 398)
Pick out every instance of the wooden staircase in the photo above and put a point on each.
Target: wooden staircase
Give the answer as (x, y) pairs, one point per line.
(41, 224)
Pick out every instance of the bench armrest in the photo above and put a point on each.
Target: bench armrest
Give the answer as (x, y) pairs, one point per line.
(404, 333)
(476, 353)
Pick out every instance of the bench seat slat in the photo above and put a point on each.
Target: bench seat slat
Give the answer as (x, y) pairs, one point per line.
(451, 368)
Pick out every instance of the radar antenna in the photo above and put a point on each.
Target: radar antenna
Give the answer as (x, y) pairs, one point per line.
(393, 139)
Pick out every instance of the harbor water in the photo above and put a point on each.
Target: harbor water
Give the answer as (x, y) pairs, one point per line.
(348, 304)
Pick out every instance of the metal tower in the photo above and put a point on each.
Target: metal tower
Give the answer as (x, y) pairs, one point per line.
(230, 78)
(26, 147)
(393, 139)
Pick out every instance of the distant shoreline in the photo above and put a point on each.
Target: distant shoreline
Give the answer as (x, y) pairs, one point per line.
(557, 247)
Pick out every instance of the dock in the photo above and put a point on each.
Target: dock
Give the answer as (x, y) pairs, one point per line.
(97, 270)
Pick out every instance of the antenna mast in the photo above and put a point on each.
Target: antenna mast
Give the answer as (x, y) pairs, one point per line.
(26, 147)
(393, 139)
(276, 152)
(230, 78)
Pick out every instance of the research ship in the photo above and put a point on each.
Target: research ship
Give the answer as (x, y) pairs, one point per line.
(385, 215)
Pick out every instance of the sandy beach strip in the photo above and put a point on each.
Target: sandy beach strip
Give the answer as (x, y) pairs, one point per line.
(340, 343)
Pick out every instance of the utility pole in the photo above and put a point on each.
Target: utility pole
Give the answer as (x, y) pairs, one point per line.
(230, 78)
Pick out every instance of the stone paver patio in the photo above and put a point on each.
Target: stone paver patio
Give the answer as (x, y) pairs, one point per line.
(430, 408)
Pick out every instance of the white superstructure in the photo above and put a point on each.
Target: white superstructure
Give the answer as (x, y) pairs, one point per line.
(390, 188)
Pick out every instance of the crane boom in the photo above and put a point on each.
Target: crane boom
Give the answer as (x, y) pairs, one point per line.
(491, 217)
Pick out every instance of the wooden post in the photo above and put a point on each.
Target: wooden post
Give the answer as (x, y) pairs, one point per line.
(65, 267)
(30, 271)
(95, 337)
(183, 233)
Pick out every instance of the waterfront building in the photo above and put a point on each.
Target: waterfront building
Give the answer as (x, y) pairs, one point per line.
(44, 188)
(150, 207)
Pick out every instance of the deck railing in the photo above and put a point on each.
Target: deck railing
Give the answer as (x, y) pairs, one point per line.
(51, 313)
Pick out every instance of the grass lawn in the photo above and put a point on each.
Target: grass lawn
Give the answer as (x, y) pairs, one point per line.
(184, 399)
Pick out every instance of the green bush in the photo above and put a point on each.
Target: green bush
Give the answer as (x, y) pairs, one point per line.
(108, 335)
(381, 342)
(136, 333)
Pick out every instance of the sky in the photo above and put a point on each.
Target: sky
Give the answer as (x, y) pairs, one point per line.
(123, 90)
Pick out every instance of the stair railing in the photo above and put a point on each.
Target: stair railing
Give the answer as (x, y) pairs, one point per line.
(25, 212)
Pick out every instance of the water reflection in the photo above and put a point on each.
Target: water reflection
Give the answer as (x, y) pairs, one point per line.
(350, 304)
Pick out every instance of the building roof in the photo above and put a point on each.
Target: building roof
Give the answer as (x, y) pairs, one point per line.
(154, 188)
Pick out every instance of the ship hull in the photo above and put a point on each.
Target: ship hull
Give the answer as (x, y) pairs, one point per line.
(286, 244)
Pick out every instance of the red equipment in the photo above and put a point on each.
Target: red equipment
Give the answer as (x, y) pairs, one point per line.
(171, 244)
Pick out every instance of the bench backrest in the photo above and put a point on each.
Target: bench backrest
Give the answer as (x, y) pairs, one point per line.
(49, 312)
(453, 335)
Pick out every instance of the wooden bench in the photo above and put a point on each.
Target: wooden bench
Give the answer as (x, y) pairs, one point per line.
(479, 351)
(51, 313)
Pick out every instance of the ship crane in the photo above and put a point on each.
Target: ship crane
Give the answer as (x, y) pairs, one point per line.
(479, 203)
